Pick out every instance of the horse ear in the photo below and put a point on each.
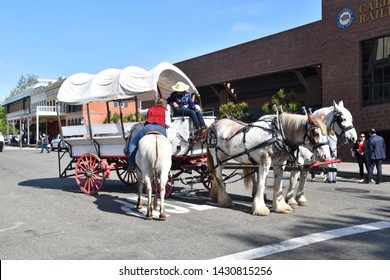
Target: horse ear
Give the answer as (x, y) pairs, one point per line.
(341, 104)
(311, 120)
(335, 106)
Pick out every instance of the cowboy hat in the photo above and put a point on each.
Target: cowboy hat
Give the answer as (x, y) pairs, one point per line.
(180, 86)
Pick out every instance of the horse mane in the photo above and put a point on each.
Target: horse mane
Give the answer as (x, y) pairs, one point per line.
(292, 122)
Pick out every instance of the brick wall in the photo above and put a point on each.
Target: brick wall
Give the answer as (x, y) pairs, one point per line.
(98, 111)
(322, 42)
(286, 50)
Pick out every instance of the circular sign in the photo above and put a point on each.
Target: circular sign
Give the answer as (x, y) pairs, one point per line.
(345, 18)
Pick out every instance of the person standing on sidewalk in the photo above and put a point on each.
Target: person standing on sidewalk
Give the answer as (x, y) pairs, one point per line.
(45, 142)
(361, 155)
(332, 176)
(376, 154)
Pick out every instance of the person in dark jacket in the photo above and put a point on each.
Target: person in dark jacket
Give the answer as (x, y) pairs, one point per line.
(183, 105)
(376, 154)
(361, 155)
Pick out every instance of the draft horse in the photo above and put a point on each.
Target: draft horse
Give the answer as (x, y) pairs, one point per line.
(154, 160)
(267, 142)
(337, 118)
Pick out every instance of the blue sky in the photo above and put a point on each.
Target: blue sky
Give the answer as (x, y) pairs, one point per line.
(50, 39)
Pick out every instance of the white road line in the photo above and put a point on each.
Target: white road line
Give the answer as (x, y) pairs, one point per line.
(303, 241)
(16, 225)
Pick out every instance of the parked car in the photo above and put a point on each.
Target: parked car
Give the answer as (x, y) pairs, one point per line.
(12, 140)
(2, 142)
(56, 142)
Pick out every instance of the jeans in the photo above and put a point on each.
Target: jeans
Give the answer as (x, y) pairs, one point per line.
(362, 161)
(378, 164)
(196, 117)
(44, 146)
(133, 146)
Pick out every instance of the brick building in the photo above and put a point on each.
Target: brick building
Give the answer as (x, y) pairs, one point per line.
(345, 56)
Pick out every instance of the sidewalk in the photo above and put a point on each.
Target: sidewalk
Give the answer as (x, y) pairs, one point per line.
(351, 170)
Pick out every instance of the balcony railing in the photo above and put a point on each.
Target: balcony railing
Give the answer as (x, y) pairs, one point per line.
(39, 110)
(46, 110)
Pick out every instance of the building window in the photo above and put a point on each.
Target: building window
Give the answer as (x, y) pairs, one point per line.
(376, 71)
(74, 108)
(123, 104)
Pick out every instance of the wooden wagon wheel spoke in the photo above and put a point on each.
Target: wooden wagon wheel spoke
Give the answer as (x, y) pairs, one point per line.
(89, 174)
(129, 178)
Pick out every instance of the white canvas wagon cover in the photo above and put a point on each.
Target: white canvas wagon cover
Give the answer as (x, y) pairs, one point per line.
(116, 84)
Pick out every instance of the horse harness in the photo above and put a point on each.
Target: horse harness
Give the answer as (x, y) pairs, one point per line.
(337, 119)
(278, 138)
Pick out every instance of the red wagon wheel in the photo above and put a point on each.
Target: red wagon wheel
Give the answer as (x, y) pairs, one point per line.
(89, 174)
(124, 175)
(168, 187)
(207, 182)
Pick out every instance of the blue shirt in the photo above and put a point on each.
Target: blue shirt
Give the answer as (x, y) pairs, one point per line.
(183, 100)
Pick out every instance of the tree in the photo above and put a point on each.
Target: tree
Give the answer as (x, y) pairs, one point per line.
(24, 83)
(287, 100)
(232, 110)
(3, 121)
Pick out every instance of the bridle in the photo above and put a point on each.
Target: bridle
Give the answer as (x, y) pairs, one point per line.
(309, 135)
(337, 119)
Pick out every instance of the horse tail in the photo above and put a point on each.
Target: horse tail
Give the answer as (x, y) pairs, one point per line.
(247, 175)
(215, 182)
(210, 162)
(155, 172)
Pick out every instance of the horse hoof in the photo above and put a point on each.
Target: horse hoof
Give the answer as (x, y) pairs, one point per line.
(149, 214)
(293, 204)
(163, 218)
(303, 203)
(261, 212)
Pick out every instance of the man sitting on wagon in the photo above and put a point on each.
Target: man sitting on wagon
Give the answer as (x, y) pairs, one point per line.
(182, 104)
(157, 119)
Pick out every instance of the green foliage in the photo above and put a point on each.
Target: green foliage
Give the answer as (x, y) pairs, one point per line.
(286, 99)
(3, 121)
(115, 118)
(24, 83)
(128, 118)
(132, 118)
(232, 110)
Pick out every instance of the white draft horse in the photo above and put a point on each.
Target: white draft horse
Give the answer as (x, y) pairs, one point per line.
(263, 143)
(154, 160)
(335, 117)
